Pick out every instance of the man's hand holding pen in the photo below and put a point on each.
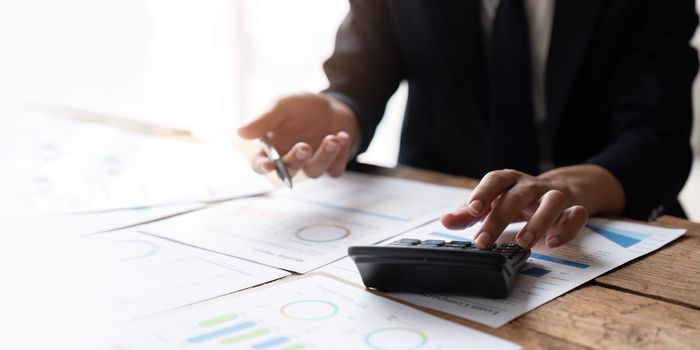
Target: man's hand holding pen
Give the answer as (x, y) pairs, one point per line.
(313, 133)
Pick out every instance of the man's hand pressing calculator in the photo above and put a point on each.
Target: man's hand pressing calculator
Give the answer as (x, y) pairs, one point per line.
(412, 265)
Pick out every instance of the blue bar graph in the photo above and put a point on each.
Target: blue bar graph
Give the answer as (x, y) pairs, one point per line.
(554, 259)
(270, 343)
(535, 272)
(622, 238)
(221, 332)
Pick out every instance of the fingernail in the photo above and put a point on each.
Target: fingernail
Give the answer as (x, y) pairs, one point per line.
(525, 240)
(302, 154)
(331, 147)
(484, 240)
(553, 242)
(476, 206)
(464, 208)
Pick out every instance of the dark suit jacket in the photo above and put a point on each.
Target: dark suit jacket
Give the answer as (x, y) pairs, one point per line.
(618, 84)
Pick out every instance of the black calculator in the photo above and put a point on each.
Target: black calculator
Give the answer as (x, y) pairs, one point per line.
(431, 266)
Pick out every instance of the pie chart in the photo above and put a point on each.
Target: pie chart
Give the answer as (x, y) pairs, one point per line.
(320, 233)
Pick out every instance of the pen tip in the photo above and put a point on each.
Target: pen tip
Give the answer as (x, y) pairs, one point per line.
(288, 182)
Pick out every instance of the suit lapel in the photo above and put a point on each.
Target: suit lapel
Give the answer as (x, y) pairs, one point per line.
(574, 22)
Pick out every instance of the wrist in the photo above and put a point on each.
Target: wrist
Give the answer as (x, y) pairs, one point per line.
(590, 186)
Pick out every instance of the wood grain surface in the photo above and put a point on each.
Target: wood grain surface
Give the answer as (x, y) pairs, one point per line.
(671, 273)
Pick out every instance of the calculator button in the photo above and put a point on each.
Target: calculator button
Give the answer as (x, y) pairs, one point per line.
(433, 243)
(506, 250)
(509, 245)
(411, 241)
(402, 244)
(455, 245)
(462, 243)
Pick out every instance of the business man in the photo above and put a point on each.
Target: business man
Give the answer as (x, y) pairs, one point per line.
(564, 108)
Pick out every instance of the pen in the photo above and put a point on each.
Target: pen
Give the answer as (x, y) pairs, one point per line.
(271, 153)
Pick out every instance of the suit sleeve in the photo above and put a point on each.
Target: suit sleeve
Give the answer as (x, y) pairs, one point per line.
(365, 69)
(651, 117)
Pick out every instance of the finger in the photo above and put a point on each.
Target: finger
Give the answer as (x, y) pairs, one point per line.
(490, 187)
(461, 218)
(261, 125)
(262, 164)
(341, 159)
(552, 204)
(322, 159)
(509, 206)
(567, 227)
(295, 159)
(527, 213)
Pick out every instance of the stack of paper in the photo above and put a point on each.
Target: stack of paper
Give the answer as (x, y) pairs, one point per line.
(108, 179)
(64, 166)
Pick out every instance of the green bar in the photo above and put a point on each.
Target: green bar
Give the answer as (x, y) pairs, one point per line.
(246, 336)
(293, 347)
(217, 320)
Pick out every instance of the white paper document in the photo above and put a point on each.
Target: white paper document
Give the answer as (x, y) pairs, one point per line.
(142, 275)
(56, 165)
(314, 312)
(49, 228)
(392, 198)
(601, 246)
(311, 226)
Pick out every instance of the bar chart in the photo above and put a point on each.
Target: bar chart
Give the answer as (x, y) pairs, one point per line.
(313, 312)
(228, 329)
(623, 238)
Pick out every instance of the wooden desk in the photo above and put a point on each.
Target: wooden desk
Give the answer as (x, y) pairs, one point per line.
(652, 302)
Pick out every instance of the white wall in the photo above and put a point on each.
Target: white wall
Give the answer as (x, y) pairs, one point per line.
(690, 195)
(200, 65)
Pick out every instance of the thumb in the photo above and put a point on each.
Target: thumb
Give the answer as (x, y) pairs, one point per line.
(259, 127)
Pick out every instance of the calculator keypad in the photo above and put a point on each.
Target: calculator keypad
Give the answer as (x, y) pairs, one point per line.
(507, 250)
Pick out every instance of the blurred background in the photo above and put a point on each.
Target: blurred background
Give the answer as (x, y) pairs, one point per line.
(203, 66)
